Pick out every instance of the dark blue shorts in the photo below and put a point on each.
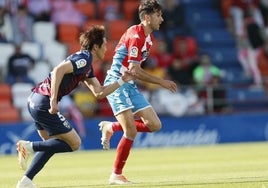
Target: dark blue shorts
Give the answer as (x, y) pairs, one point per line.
(54, 124)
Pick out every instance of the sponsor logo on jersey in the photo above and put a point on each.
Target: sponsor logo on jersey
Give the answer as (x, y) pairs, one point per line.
(134, 51)
(80, 63)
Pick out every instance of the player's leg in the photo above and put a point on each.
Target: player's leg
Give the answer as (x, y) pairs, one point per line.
(149, 120)
(126, 119)
(43, 134)
(61, 137)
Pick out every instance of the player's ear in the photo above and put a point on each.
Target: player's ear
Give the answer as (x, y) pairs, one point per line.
(147, 18)
(95, 47)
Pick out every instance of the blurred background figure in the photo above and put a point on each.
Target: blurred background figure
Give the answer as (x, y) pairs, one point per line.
(19, 65)
(63, 11)
(207, 78)
(173, 25)
(22, 25)
(40, 10)
(262, 63)
(237, 11)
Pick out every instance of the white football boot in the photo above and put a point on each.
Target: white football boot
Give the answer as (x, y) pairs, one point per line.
(107, 133)
(24, 150)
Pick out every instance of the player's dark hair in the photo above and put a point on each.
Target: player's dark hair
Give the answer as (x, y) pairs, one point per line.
(148, 7)
(94, 35)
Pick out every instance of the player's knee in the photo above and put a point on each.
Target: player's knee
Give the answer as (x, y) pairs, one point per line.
(75, 145)
(131, 133)
(156, 126)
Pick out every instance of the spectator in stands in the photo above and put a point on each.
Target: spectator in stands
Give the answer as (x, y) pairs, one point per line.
(185, 49)
(5, 24)
(238, 10)
(174, 21)
(248, 44)
(180, 73)
(109, 10)
(151, 67)
(63, 11)
(161, 54)
(207, 77)
(22, 25)
(262, 62)
(40, 10)
(19, 65)
(264, 11)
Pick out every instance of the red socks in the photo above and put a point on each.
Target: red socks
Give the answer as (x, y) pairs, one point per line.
(125, 145)
(141, 127)
(123, 150)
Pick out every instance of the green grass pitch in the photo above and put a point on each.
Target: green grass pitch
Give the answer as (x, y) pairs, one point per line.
(242, 165)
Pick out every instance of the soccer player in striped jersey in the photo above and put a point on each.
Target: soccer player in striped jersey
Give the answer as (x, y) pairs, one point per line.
(57, 133)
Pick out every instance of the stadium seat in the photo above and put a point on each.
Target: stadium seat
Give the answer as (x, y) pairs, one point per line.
(44, 31)
(223, 57)
(68, 32)
(20, 94)
(104, 6)
(211, 37)
(54, 52)
(33, 49)
(5, 94)
(10, 114)
(40, 71)
(6, 50)
(91, 22)
(87, 8)
(129, 9)
(116, 28)
(73, 47)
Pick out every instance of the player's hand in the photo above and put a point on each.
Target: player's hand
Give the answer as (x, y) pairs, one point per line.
(127, 76)
(53, 107)
(170, 85)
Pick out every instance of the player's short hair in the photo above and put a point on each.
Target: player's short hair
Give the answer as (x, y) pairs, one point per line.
(94, 35)
(149, 7)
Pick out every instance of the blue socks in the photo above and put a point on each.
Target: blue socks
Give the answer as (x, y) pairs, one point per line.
(45, 150)
(38, 162)
(52, 145)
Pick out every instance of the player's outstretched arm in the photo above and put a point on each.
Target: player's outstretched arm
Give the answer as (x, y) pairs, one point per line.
(100, 91)
(142, 75)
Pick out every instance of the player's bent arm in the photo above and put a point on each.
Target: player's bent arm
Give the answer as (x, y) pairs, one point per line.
(100, 91)
(142, 75)
(56, 77)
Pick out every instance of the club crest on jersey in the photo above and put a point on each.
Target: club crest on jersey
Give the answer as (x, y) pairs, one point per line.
(134, 52)
(80, 63)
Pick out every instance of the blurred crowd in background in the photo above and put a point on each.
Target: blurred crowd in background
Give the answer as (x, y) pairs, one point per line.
(216, 50)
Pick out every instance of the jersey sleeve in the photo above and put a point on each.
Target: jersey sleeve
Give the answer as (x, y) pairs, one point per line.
(134, 47)
(82, 64)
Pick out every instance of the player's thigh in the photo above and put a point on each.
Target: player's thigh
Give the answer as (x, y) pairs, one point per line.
(43, 134)
(126, 120)
(150, 118)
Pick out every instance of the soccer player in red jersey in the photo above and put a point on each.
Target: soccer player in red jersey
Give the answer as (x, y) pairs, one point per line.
(127, 102)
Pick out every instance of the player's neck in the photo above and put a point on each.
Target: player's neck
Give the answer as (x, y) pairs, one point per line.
(147, 28)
